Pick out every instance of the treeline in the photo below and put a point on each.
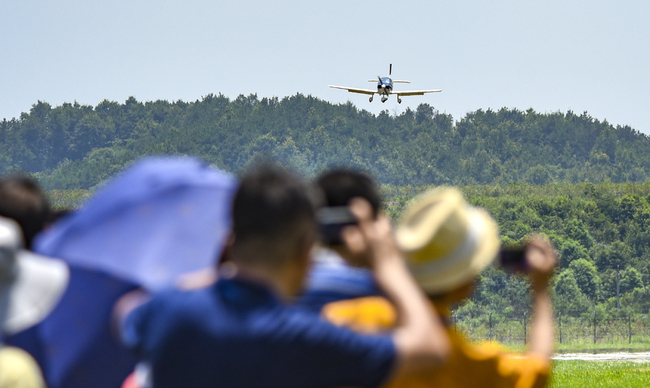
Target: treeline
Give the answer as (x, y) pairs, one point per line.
(76, 146)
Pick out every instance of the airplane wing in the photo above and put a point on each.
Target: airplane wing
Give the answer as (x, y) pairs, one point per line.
(355, 90)
(414, 92)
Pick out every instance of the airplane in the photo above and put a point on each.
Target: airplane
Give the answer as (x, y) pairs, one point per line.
(385, 88)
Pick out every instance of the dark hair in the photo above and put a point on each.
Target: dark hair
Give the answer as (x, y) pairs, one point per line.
(272, 207)
(339, 186)
(22, 200)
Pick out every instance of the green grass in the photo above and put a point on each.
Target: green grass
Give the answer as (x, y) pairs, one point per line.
(600, 374)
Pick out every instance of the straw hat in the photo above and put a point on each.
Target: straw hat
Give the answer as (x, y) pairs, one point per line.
(447, 241)
(30, 285)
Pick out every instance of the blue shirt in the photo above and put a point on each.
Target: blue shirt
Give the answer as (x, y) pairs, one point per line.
(74, 345)
(331, 279)
(238, 334)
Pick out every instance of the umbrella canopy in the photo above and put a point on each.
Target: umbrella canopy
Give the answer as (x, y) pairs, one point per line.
(161, 218)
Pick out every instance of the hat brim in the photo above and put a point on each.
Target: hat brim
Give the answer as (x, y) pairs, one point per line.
(39, 285)
(471, 266)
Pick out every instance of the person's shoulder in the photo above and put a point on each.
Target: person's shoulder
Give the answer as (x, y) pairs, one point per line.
(177, 299)
(369, 314)
(172, 305)
(167, 309)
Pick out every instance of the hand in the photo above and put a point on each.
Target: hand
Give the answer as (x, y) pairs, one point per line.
(197, 279)
(541, 260)
(371, 237)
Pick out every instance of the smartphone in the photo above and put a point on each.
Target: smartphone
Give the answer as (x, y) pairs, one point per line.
(513, 259)
(331, 221)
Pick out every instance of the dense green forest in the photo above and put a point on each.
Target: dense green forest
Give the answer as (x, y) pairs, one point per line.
(77, 146)
(582, 182)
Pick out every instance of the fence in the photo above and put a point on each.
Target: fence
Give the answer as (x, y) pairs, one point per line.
(586, 330)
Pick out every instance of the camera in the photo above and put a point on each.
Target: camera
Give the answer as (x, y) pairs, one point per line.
(513, 258)
(331, 221)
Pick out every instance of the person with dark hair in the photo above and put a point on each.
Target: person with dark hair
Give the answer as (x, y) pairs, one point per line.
(22, 200)
(336, 273)
(339, 186)
(243, 332)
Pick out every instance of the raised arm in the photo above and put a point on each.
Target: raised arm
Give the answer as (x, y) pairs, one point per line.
(541, 259)
(420, 338)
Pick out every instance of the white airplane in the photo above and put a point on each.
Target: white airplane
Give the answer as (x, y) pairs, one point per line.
(385, 88)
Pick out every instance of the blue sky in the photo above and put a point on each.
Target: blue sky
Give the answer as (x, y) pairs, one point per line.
(553, 55)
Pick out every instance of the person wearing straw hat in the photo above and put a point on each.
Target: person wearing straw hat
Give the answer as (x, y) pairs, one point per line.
(30, 287)
(448, 244)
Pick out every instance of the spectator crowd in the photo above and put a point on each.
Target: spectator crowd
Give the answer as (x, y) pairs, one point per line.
(307, 284)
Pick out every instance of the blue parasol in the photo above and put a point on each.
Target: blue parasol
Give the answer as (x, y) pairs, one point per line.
(160, 218)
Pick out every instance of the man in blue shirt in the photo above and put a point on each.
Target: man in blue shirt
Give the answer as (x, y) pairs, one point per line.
(242, 332)
(336, 274)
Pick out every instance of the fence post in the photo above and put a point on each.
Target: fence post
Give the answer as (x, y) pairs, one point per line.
(559, 318)
(618, 293)
(525, 323)
(490, 324)
(594, 324)
(629, 325)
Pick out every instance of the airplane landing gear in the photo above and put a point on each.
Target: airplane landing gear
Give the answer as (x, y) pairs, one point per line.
(370, 99)
(399, 100)
(384, 99)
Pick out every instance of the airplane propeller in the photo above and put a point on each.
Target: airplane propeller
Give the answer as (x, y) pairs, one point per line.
(381, 82)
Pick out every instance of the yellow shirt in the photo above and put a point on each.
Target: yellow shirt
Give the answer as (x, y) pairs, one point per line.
(469, 365)
(19, 370)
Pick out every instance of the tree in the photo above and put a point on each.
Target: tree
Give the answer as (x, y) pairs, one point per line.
(538, 175)
(617, 254)
(586, 276)
(630, 280)
(568, 297)
(578, 231)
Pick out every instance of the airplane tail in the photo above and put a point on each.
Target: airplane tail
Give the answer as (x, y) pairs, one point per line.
(390, 70)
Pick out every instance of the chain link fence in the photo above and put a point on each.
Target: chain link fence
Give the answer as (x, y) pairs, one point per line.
(591, 330)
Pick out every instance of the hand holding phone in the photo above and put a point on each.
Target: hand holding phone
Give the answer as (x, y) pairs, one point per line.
(536, 258)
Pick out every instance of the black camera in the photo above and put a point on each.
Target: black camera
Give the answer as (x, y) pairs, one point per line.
(513, 258)
(331, 221)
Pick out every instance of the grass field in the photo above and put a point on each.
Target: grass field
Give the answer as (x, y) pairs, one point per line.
(600, 374)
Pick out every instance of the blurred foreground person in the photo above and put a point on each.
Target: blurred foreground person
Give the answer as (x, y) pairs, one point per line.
(30, 286)
(448, 244)
(336, 272)
(22, 200)
(241, 332)
(159, 218)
